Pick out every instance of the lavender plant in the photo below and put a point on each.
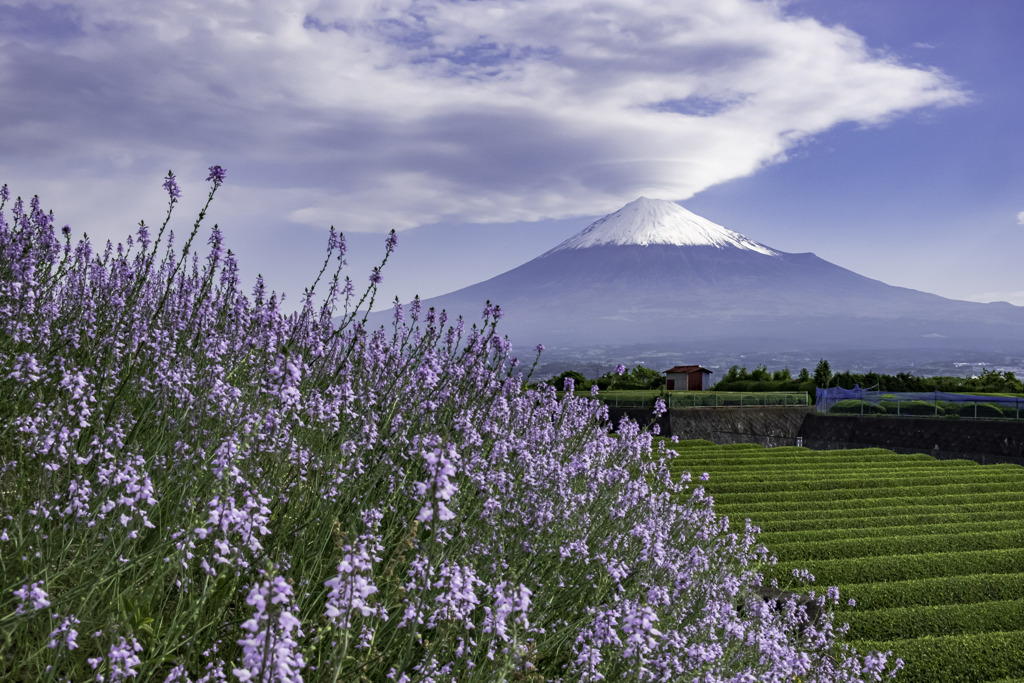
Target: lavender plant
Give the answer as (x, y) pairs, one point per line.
(196, 486)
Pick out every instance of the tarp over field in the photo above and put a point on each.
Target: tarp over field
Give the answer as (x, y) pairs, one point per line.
(826, 399)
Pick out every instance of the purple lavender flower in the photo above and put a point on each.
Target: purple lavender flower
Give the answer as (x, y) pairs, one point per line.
(270, 651)
(375, 277)
(391, 242)
(171, 185)
(33, 593)
(67, 630)
(352, 586)
(217, 174)
(123, 659)
(620, 369)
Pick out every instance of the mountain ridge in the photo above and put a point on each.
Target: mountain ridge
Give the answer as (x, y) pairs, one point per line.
(626, 279)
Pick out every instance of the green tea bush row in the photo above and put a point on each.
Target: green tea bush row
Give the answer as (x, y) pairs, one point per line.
(972, 658)
(852, 406)
(967, 525)
(884, 518)
(770, 468)
(944, 590)
(837, 572)
(900, 545)
(869, 507)
(755, 452)
(890, 491)
(834, 484)
(935, 620)
(787, 462)
(733, 475)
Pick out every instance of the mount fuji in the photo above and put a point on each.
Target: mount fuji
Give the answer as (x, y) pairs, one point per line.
(654, 273)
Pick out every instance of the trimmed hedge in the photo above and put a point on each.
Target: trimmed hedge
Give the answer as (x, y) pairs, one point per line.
(935, 620)
(840, 471)
(831, 466)
(847, 483)
(869, 507)
(899, 546)
(853, 406)
(750, 452)
(890, 518)
(902, 567)
(888, 491)
(945, 590)
(1010, 522)
(924, 408)
(983, 410)
(972, 658)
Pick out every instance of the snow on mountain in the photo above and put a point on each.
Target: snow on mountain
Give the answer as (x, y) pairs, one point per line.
(644, 222)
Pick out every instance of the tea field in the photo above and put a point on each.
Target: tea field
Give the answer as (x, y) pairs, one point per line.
(931, 551)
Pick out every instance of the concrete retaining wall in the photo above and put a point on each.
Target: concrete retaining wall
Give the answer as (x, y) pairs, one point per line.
(986, 441)
(642, 416)
(766, 425)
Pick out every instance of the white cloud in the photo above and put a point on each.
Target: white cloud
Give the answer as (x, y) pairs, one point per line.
(394, 113)
(1020, 218)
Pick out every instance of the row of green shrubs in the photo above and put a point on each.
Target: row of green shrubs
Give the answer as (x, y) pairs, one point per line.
(852, 406)
(935, 620)
(787, 463)
(887, 517)
(799, 469)
(968, 523)
(888, 490)
(969, 658)
(959, 468)
(743, 453)
(852, 485)
(836, 572)
(857, 518)
(822, 507)
(896, 546)
(943, 590)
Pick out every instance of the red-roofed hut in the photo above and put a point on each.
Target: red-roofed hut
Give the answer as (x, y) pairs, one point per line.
(688, 378)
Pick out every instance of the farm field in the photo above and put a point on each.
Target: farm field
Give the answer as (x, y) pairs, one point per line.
(930, 550)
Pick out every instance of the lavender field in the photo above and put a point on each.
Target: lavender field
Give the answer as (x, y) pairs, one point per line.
(197, 486)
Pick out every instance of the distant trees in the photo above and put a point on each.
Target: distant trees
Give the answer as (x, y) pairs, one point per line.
(637, 378)
(822, 374)
(988, 382)
(739, 378)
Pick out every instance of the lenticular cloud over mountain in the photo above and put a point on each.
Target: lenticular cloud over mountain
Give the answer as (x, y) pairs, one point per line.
(653, 273)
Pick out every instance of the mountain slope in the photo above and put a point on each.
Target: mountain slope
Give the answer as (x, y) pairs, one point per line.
(654, 272)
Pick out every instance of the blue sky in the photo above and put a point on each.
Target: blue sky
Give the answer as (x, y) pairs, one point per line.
(883, 136)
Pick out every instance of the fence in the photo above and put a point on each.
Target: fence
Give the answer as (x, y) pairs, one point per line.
(710, 399)
(859, 401)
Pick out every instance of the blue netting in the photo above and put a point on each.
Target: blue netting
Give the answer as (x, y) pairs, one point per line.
(900, 402)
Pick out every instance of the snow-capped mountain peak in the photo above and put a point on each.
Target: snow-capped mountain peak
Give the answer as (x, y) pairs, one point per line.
(646, 221)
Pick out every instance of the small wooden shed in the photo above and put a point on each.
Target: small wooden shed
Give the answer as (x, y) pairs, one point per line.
(688, 378)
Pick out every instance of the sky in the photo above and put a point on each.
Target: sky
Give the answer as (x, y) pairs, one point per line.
(883, 136)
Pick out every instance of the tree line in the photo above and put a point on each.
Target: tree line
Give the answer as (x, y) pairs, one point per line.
(760, 379)
(739, 378)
